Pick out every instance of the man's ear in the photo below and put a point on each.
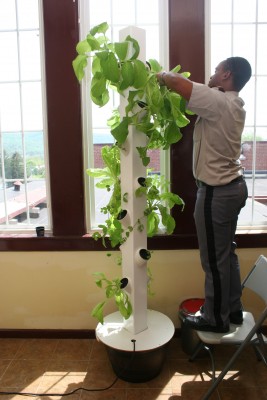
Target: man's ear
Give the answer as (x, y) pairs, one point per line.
(226, 74)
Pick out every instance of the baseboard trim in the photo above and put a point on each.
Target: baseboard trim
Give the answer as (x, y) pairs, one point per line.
(53, 333)
(64, 333)
(48, 333)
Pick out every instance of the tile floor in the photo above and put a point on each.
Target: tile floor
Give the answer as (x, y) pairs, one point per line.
(55, 366)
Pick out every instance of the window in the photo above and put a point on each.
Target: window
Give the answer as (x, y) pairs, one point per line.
(24, 194)
(239, 27)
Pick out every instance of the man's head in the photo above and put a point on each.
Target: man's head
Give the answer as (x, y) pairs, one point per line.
(231, 74)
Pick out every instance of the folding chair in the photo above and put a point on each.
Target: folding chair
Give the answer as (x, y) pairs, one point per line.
(247, 333)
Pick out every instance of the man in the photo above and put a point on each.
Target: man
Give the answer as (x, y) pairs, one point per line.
(222, 191)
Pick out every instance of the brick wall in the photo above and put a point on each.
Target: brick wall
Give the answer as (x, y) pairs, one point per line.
(261, 155)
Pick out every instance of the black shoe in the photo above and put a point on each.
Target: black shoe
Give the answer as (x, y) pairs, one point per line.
(200, 324)
(235, 317)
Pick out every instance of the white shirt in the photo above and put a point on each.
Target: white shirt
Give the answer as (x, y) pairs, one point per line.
(217, 134)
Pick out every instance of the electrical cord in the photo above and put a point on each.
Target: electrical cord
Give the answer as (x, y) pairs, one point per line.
(79, 388)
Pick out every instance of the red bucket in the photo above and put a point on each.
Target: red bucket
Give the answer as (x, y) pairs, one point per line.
(189, 338)
(190, 307)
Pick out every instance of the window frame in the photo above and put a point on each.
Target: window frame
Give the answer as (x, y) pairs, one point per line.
(61, 34)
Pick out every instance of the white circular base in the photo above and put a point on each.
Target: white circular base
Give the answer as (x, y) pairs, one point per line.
(114, 333)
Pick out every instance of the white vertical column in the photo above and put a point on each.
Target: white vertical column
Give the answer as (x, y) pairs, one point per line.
(133, 266)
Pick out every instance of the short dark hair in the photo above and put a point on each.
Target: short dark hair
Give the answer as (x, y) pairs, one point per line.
(240, 69)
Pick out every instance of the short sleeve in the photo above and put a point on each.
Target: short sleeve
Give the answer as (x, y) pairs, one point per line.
(206, 102)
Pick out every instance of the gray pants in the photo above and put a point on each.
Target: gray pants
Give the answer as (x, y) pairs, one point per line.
(216, 214)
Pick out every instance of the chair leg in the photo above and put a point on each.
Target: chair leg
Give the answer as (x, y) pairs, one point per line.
(212, 362)
(202, 346)
(260, 348)
(257, 351)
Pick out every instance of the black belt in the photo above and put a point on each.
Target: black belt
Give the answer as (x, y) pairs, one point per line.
(203, 184)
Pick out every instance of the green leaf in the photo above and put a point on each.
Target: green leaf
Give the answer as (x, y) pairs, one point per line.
(97, 312)
(120, 133)
(170, 224)
(141, 191)
(79, 64)
(99, 92)
(83, 47)
(123, 304)
(102, 99)
(176, 69)
(121, 49)
(114, 120)
(102, 55)
(97, 172)
(93, 42)
(96, 236)
(186, 74)
(111, 158)
(104, 183)
(127, 73)
(172, 199)
(110, 291)
(154, 65)
(172, 133)
(152, 224)
(140, 74)
(96, 67)
(101, 28)
(110, 67)
(167, 220)
(182, 120)
(135, 45)
(143, 155)
(98, 85)
(156, 99)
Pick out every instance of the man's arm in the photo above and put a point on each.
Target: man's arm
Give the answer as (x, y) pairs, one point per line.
(177, 83)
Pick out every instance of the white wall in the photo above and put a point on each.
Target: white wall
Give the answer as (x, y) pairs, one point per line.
(56, 290)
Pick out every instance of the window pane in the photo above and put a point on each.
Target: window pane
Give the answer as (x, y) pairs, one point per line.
(262, 11)
(146, 12)
(221, 11)
(99, 11)
(261, 105)
(221, 46)
(123, 12)
(248, 95)
(10, 107)
(7, 14)
(8, 57)
(28, 14)
(244, 10)
(30, 55)
(244, 42)
(262, 49)
(152, 42)
(32, 106)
